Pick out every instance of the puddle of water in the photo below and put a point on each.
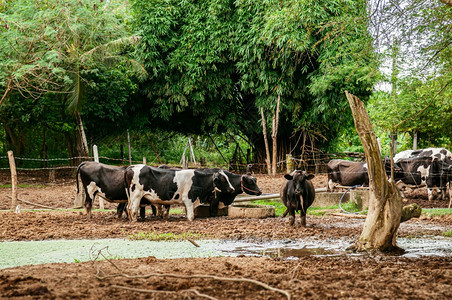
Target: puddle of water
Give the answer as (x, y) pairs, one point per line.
(39, 252)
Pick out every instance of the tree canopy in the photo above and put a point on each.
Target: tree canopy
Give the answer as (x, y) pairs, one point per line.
(206, 58)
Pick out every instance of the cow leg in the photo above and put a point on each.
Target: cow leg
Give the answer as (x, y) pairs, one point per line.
(292, 216)
(166, 211)
(189, 209)
(430, 194)
(213, 208)
(120, 209)
(154, 210)
(134, 204)
(303, 219)
(89, 203)
(331, 185)
(143, 212)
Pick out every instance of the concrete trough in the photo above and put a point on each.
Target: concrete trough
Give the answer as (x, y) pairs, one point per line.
(251, 211)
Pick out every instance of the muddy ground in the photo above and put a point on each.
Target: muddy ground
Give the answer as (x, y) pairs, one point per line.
(327, 277)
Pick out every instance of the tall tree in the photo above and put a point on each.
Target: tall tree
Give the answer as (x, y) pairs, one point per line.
(208, 57)
(55, 48)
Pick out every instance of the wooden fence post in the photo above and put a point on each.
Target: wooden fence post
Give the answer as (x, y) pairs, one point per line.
(289, 163)
(12, 166)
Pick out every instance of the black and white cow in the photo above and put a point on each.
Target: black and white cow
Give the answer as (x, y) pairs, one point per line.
(347, 173)
(166, 187)
(298, 194)
(429, 167)
(104, 181)
(241, 184)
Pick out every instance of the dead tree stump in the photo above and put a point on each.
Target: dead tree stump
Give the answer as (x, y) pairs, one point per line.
(385, 203)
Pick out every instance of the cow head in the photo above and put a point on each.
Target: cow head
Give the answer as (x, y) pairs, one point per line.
(221, 182)
(299, 179)
(249, 185)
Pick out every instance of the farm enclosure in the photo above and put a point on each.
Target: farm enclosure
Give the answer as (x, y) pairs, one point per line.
(342, 276)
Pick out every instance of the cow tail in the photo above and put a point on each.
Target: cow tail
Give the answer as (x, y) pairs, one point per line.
(302, 205)
(76, 176)
(126, 185)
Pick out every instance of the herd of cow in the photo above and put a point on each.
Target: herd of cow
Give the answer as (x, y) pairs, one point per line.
(431, 167)
(139, 186)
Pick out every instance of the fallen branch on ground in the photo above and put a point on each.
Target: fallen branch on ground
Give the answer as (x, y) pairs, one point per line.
(122, 274)
(193, 242)
(162, 292)
(35, 204)
(349, 216)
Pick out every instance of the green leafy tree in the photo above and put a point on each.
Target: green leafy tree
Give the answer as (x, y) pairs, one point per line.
(214, 63)
(52, 47)
(419, 100)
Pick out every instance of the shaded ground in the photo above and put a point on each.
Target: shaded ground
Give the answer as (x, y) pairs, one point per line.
(310, 277)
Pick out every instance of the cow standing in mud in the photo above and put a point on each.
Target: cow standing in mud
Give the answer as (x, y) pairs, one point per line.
(298, 194)
(166, 187)
(104, 181)
(431, 167)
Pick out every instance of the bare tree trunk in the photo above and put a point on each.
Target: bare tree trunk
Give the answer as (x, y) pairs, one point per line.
(385, 204)
(267, 150)
(82, 137)
(275, 122)
(7, 91)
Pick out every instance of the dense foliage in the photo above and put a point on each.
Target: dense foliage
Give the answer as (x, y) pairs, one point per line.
(165, 70)
(206, 58)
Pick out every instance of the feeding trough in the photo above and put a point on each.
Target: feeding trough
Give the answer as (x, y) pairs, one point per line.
(251, 211)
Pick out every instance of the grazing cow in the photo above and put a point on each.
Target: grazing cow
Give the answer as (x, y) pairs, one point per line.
(298, 194)
(347, 173)
(166, 187)
(434, 171)
(241, 183)
(105, 181)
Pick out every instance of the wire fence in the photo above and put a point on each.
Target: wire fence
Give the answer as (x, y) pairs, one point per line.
(66, 166)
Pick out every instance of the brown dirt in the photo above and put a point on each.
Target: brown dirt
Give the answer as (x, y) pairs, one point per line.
(358, 277)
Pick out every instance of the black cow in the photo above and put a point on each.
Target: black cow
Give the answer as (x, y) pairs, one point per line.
(297, 186)
(104, 181)
(347, 173)
(167, 187)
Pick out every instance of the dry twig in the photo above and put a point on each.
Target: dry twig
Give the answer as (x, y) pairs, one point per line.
(163, 292)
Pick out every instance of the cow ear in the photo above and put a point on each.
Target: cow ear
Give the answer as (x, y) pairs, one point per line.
(310, 176)
(288, 176)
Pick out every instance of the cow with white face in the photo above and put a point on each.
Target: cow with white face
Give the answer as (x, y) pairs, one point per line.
(429, 167)
(168, 187)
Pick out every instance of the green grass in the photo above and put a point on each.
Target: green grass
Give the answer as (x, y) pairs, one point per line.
(21, 185)
(166, 236)
(447, 233)
(313, 211)
(436, 211)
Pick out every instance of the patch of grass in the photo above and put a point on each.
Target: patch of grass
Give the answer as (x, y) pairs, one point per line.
(166, 236)
(447, 233)
(8, 186)
(436, 211)
(279, 206)
(177, 211)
